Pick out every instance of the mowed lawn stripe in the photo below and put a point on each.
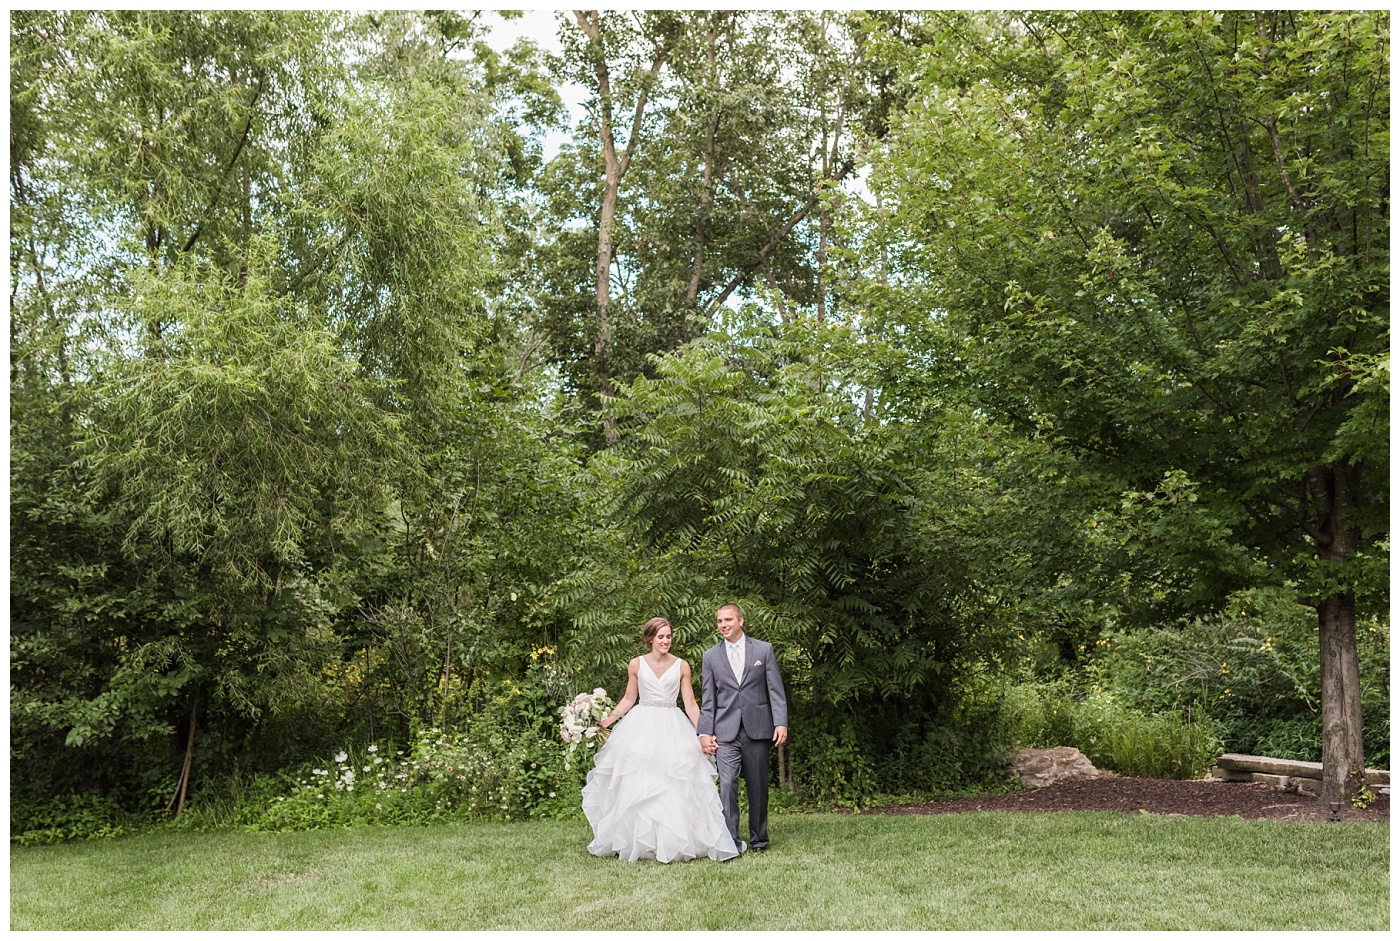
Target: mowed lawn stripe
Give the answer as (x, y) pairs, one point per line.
(1054, 871)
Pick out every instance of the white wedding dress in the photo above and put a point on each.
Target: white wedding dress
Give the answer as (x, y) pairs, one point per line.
(651, 793)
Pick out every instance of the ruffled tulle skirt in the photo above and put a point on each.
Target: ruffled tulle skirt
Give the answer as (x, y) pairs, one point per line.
(651, 793)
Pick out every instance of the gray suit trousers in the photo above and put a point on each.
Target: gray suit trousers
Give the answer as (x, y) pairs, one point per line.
(747, 758)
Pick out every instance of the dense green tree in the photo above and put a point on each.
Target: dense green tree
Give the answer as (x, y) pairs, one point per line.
(746, 471)
(1163, 241)
(150, 144)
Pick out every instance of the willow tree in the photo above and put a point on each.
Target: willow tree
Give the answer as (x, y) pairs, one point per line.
(149, 145)
(1164, 241)
(272, 266)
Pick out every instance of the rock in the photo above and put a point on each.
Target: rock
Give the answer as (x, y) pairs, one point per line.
(1041, 767)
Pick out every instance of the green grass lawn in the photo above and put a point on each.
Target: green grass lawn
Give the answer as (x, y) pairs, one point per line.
(824, 871)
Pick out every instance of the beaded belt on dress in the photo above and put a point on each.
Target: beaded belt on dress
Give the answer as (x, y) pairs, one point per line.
(655, 702)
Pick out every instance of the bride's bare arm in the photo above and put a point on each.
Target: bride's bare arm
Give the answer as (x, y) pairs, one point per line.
(692, 709)
(627, 701)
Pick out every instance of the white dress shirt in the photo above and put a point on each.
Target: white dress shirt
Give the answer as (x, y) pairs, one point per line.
(735, 649)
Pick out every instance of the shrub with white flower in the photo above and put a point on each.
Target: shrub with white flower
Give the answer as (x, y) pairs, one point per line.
(500, 763)
(579, 720)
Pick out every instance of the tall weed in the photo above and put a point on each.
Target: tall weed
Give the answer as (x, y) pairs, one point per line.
(1114, 736)
(1143, 745)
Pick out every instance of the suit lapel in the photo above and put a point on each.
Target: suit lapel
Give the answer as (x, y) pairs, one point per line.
(722, 654)
(722, 658)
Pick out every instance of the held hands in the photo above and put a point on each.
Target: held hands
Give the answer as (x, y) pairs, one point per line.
(710, 745)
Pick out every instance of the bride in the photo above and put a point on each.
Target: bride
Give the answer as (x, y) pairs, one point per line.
(651, 793)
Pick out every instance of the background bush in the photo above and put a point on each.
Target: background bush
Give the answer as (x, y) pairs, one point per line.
(1253, 671)
(1165, 701)
(67, 817)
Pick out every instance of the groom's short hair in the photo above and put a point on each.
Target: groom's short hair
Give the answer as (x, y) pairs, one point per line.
(737, 610)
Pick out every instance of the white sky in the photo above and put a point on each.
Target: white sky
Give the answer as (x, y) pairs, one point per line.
(541, 26)
(536, 24)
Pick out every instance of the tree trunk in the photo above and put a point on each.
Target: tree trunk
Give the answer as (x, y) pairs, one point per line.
(1343, 762)
(707, 183)
(446, 680)
(614, 168)
(177, 800)
(591, 24)
(602, 348)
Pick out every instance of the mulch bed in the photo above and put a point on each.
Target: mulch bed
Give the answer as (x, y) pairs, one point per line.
(1134, 795)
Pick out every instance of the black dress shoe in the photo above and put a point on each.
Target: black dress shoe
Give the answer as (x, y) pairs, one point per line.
(759, 849)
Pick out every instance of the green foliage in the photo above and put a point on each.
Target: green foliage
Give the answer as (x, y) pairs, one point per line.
(1243, 680)
(1253, 670)
(66, 817)
(747, 472)
(752, 474)
(732, 132)
(506, 764)
(1039, 714)
(1141, 319)
(305, 350)
(1142, 258)
(834, 770)
(440, 777)
(1157, 745)
(242, 425)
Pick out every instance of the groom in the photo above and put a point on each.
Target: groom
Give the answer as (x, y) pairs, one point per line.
(743, 714)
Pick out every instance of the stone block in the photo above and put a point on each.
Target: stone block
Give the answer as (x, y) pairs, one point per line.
(1262, 765)
(1273, 780)
(1304, 770)
(1231, 774)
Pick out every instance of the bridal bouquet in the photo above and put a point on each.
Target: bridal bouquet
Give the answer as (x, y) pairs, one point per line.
(578, 725)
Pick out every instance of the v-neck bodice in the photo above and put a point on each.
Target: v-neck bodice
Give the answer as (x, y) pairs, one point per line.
(653, 690)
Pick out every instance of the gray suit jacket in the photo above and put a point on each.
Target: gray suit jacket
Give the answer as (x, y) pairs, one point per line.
(758, 699)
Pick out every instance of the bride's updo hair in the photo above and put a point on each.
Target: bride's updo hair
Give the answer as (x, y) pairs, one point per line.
(649, 632)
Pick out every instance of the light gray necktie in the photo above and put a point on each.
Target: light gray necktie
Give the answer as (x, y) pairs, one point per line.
(736, 661)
